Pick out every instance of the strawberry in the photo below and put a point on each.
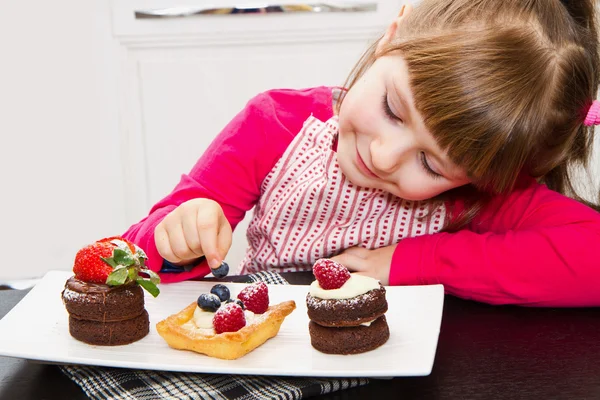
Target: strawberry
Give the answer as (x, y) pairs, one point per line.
(89, 265)
(229, 318)
(127, 242)
(330, 274)
(115, 261)
(255, 297)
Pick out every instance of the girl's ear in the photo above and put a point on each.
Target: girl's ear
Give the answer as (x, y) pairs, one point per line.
(390, 33)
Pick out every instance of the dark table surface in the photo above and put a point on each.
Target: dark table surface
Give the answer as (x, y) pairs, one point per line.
(484, 352)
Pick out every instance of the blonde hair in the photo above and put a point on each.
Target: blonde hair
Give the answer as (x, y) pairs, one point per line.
(503, 86)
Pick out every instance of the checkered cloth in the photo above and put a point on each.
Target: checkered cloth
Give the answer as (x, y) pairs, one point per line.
(125, 384)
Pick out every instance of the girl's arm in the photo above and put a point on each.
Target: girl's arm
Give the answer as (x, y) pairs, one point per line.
(233, 167)
(534, 247)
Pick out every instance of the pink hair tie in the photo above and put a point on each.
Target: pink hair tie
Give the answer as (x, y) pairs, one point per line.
(592, 116)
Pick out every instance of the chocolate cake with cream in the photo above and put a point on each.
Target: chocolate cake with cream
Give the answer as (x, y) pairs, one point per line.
(346, 311)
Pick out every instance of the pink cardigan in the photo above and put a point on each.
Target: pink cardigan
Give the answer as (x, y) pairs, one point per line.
(533, 247)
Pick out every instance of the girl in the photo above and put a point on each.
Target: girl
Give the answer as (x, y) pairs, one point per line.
(446, 160)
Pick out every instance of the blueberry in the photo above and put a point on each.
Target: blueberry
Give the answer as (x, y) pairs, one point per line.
(238, 302)
(222, 271)
(209, 302)
(221, 291)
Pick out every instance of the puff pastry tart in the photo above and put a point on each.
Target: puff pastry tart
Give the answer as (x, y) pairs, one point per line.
(221, 327)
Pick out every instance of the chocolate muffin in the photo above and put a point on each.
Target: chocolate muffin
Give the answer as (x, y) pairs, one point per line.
(105, 315)
(349, 340)
(347, 312)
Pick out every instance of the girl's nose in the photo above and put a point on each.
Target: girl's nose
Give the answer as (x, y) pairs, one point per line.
(388, 152)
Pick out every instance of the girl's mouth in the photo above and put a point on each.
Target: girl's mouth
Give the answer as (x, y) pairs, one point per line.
(363, 167)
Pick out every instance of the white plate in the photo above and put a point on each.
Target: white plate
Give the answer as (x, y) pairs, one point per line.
(37, 329)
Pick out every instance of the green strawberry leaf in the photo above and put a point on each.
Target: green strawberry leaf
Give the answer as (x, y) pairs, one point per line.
(110, 262)
(154, 278)
(149, 286)
(117, 277)
(123, 257)
(132, 274)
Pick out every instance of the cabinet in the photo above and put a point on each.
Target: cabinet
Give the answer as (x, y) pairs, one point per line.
(183, 79)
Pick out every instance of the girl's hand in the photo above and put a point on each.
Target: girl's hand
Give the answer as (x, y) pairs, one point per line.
(196, 228)
(374, 263)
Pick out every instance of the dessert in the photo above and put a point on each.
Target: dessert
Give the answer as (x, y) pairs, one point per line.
(223, 327)
(346, 311)
(104, 298)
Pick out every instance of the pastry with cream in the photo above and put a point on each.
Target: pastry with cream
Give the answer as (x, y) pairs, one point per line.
(346, 311)
(222, 327)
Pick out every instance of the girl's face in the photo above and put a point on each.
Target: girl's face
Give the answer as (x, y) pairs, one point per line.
(383, 142)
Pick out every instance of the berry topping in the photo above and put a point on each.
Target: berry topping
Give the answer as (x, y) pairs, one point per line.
(330, 274)
(221, 291)
(255, 297)
(238, 302)
(114, 261)
(222, 271)
(229, 318)
(209, 302)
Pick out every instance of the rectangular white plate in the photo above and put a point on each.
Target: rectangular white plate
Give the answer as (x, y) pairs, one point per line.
(37, 329)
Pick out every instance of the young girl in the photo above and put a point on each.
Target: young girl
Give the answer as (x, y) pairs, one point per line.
(446, 161)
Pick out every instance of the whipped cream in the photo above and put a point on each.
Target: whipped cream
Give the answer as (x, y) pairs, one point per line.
(203, 319)
(355, 286)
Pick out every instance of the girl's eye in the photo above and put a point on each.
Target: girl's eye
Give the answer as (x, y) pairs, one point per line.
(388, 110)
(427, 168)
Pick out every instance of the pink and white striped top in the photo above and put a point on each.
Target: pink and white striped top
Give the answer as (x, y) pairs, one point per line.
(309, 210)
(532, 246)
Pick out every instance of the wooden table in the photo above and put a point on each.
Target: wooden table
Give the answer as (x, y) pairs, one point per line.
(484, 352)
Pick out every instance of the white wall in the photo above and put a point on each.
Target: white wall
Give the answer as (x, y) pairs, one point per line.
(59, 158)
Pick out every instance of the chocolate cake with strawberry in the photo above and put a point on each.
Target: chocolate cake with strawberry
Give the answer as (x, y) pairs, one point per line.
(104, 298)
(346, 311)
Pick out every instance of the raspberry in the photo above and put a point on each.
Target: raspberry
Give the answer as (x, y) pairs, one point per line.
(330, 274)
(229, 318)
(238, 302)
(255, 297)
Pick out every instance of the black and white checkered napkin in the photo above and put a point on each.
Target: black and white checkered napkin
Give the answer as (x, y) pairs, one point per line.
(126, 384)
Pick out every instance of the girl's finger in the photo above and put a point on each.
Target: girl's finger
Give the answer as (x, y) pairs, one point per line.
(357, 251)
(224, 236)
(161, 240)
(350, 261)
(206, 224)
(190, 233)
(178, 244)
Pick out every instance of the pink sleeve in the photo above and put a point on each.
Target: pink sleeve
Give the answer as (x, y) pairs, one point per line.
(233, 167)
(535, 247)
